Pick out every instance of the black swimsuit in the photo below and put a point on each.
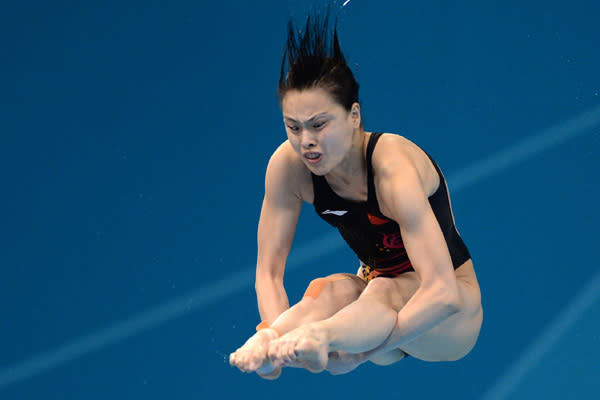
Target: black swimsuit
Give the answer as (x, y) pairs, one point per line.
(374, 238)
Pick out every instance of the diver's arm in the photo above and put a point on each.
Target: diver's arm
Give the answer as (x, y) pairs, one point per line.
(403, 198)
(278, 219)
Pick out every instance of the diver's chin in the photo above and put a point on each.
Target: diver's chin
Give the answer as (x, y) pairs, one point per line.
(317, 167)
(317, 171)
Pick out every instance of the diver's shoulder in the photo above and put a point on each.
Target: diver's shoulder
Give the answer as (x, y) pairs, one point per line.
(287, 165)
(285, 156)
(399, 155)
(394, 146)
(390, 137)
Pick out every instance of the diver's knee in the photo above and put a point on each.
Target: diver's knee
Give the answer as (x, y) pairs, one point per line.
(343, 287)
(380, 286)
(315, 288)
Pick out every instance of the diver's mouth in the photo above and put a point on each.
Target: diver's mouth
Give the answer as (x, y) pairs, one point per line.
(312, 157)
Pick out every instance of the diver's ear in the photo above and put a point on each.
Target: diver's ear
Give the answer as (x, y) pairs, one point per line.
(355, 114)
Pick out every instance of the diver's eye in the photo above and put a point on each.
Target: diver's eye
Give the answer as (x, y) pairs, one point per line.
(319, 125)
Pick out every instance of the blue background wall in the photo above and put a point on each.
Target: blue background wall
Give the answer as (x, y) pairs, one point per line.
(133, 142)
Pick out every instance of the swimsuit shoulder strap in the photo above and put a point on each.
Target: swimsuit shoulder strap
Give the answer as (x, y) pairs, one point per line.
(372, 196)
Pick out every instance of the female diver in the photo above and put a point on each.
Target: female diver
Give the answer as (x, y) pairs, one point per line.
(415, 292)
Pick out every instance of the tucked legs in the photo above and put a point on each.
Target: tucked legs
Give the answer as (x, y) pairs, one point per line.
(323, 298)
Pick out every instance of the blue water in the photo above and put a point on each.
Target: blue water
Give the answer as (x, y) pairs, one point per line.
(133, 143)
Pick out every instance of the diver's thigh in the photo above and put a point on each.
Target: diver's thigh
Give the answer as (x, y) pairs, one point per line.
(326, 296)
(451, 340)
(454, 337)
(396, 291)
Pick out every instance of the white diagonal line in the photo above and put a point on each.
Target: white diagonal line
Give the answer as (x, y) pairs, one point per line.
(524, 149)
(151, 318)
(213, 292)
(548, 339)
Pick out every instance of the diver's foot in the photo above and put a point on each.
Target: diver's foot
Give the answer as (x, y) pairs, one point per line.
(252, 356)
(340, 362)
(269, 371)
(306, 347)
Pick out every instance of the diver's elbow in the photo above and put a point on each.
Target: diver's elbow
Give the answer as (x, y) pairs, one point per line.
(452, 306)
(450, 302)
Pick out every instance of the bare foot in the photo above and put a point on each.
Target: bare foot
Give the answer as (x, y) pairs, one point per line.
(306, 347)
(269, 371)
(340, 362)
(252, 356)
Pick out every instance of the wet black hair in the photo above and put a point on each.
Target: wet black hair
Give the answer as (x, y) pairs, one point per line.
(313, 59)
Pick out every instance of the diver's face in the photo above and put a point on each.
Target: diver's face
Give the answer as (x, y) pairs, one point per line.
(319, 129)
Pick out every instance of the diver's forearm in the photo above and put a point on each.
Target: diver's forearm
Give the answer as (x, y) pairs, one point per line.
(422, 312)
(272, 299)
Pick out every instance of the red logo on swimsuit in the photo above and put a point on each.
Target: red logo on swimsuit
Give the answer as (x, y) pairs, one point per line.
(374, 220)
(393, 240)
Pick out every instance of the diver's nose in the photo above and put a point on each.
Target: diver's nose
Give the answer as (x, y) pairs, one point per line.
(308, 140)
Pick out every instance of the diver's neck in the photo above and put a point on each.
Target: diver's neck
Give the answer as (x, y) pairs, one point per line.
(353, 166)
